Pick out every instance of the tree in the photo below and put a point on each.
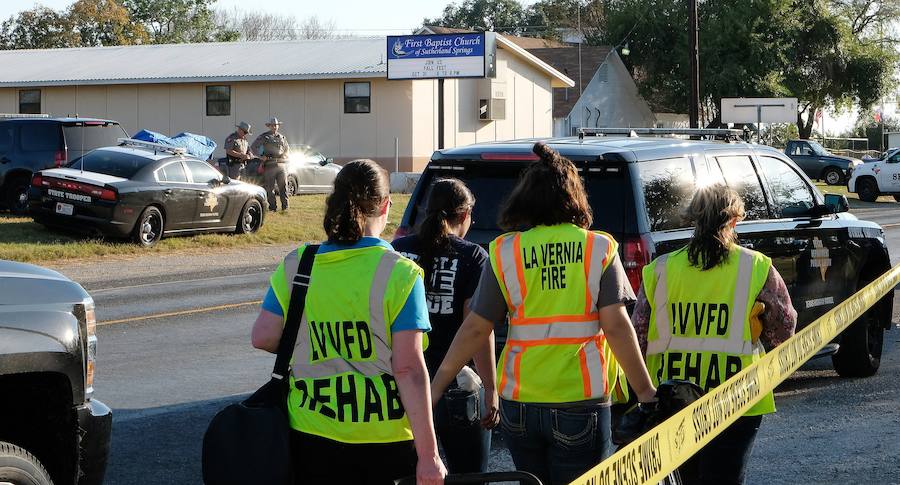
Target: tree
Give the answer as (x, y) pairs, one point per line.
(505, 16)
(548, 18)
(751, 48)
(103, 22)
(178, 21)
(38, 28)
(868, 126)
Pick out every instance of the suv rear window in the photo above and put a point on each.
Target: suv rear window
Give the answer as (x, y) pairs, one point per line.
(108, 162)
(492, 183)
(668, 186)
(39, 137)
(91, 135)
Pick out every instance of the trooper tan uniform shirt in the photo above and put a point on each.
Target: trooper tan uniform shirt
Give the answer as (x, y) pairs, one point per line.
(272, 145)
(237, 144)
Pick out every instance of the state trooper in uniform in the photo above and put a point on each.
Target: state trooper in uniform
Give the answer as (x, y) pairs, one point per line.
(237, 150)
(272, 147)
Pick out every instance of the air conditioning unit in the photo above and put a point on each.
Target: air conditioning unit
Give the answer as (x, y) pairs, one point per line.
(492, 100)
(491, 109)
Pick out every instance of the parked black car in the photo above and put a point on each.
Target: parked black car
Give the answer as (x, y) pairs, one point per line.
(638, 188)
(144, 191)
(30, 144)
(820, 164)
(51, 427)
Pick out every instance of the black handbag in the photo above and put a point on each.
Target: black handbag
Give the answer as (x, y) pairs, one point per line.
(249, 441)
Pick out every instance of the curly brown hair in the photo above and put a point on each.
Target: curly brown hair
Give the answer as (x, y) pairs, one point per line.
(711, 210)
(359, 190)
(549, 192)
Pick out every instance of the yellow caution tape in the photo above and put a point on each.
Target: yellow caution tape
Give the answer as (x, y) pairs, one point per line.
(657, 453)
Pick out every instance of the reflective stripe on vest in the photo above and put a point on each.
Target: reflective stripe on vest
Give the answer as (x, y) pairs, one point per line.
(579, 326)
(302, 366)
(733, 344)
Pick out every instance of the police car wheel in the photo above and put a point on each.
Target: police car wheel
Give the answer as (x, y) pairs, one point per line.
(19, 467)
(860, 349)
(149, 227)
(867, 190)
(291, 186)
(833, 176)
(250, 219)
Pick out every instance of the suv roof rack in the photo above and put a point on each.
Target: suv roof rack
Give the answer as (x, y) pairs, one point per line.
(24, 115)
(156, 147)
(727, 134)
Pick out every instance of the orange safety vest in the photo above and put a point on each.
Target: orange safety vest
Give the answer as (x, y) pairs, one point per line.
(555, 351)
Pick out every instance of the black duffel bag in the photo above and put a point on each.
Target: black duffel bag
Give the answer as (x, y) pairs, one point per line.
(249, 441)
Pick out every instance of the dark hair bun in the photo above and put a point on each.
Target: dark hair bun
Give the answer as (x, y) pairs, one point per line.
(542, 150)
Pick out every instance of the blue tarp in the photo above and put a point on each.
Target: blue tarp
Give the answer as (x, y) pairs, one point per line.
(199, 146)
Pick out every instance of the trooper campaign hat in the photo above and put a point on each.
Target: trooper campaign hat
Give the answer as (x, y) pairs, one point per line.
(273, 122)
(244, 126)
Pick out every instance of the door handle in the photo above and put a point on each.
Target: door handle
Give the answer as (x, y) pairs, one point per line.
(5, 160)
(167, 191)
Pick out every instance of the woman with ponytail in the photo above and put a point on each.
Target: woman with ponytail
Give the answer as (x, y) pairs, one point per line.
(564, 290)
(753, 312)
(359, 392)
(452, 265)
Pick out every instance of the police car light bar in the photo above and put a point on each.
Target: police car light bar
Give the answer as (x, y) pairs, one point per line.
(635, 132)
(156, 147)
(24, 115)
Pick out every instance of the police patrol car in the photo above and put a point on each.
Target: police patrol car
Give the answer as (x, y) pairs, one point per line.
(879, 177)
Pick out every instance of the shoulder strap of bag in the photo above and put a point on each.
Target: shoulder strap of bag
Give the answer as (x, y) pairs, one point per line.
(299, 287)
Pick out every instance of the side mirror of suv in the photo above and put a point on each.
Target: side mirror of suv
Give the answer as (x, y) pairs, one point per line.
(836, 203)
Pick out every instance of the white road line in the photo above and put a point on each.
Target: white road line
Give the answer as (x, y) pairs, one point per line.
(145, 285)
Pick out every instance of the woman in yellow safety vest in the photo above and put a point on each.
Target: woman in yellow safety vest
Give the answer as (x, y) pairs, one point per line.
(359, 402)
(704, 312)
(564, 291)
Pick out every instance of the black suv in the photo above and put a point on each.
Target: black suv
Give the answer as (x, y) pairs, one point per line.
(639, 186)
(30, 144)
(51, 429)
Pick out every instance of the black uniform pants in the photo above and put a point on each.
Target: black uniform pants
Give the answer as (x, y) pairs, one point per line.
(275, 175)
(320, 460)
(724, 460)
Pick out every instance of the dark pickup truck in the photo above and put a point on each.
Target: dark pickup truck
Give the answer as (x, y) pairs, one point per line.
(820, 164)
(52, 431)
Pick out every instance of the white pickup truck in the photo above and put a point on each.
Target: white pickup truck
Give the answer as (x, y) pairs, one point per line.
(878, 177)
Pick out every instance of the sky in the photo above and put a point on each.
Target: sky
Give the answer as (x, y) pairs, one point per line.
(359, 17)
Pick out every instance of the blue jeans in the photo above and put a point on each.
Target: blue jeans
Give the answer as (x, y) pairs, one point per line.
(555, 444)
(723, 461)
(457, 422)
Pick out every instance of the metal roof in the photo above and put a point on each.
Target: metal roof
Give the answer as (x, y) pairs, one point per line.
(213, 62)
(209, 62)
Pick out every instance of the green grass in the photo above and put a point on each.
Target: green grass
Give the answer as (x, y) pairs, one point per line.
(21, 239)
(842, 189)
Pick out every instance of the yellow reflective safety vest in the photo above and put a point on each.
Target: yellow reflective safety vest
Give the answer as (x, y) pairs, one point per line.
(555, 351)
(341, 383)
(700, 320)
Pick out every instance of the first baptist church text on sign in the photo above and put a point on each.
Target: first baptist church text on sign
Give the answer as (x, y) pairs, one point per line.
(440, 56)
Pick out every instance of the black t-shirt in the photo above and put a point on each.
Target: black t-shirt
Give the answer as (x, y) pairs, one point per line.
(454, 277)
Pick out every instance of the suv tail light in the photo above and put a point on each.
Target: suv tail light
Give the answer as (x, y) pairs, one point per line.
(60, 158)
(636, 252)
(402, 231)
(87, 320)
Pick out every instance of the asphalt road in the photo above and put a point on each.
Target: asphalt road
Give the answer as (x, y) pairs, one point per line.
(174, 349)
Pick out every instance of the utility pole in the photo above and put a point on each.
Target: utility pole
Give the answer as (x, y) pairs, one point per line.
(694, 40)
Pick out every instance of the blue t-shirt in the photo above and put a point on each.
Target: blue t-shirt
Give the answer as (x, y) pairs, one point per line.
(413, 316)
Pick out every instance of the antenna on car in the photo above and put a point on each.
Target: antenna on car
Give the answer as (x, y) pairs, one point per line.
(156, 147)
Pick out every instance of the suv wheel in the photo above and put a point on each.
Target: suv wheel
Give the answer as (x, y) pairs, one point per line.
(19, 467)
(867, 190)
(149, 227)
(17, 195)
(860, 352)
(832, 176)
(291, 186)
(251, 218)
